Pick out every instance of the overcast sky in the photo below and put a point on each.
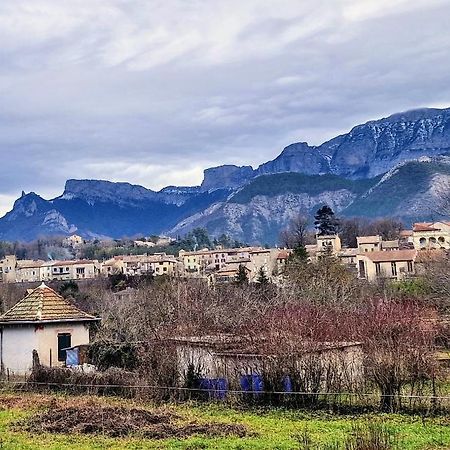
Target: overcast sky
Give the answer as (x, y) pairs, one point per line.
(154, 91)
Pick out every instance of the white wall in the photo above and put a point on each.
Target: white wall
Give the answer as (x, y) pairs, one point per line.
(16, 348)
(18, 343)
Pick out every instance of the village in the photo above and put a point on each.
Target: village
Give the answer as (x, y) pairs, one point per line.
(373, 258)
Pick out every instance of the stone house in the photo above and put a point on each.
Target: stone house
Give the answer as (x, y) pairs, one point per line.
(394, 264)
(45, 322)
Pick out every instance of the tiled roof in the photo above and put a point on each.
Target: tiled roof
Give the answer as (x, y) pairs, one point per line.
(424, 226)
(44, 305)
(390, 244)
(391, 256)
(368, 239)
(69, 262)
(283, 254)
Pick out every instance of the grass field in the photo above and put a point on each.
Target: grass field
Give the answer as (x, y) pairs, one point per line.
(274, 429)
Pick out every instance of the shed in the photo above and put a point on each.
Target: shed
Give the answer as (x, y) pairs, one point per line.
(43, 321)
(233, 358)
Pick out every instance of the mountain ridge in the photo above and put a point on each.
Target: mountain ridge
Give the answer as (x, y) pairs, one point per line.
(237, 199)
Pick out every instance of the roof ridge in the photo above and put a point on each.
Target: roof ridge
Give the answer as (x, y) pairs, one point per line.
(44, 304)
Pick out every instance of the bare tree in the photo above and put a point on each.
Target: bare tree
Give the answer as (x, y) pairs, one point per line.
(297, 232)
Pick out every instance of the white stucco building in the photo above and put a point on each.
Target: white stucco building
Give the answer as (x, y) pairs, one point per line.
(42, 321)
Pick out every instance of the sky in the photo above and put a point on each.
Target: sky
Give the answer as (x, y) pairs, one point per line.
(154, 91)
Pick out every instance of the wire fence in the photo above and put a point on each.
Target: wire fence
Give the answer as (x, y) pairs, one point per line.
(336, 401)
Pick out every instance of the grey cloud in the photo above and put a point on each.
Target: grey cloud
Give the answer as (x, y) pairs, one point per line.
(153, 91)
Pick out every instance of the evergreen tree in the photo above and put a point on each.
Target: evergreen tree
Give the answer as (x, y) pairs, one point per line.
(299, 255)
(262, 277)
(241, 276)
(325, 221)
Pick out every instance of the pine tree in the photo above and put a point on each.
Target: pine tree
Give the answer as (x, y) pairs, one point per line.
(262, 277)
(325, 221)
(241, 276)
(300, 255)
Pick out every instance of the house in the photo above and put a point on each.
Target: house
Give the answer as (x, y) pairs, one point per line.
(45, 322)
(112, 266)
(368, 243)
(393, 244)
(233, 359)
(282, 259)
(28, 271)
(431, 235)
(347, 256)
(157, 264)
(69, 270)
(328, 244)
(230, 271)
(73, 241)
(394, 264)
(13, 270)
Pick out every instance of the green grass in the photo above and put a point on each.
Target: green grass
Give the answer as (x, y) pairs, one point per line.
(272, 429)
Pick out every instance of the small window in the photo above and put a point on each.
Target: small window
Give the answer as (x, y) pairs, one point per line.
(410, 266)
(394, 269)
(64, 341)
(378, 269)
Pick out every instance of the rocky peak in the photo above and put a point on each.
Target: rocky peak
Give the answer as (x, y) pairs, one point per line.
(226, 177)
(373, 148)
(27, 205)
(299, 157)
(99, 190)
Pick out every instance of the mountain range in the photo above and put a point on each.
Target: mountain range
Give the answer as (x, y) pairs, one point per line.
(395, 166)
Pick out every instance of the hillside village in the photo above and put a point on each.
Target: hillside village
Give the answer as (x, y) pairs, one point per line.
(372, 259)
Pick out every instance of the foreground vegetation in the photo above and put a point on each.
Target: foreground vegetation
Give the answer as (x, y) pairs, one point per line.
(266, 429)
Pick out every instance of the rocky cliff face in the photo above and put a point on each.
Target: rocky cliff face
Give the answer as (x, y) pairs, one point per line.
(226, 177)
(375, 147)
(254, 205)
(299, 158)
(365, 151)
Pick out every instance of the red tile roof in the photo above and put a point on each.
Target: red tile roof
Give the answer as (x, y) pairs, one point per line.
(424, 226)
(393, 255)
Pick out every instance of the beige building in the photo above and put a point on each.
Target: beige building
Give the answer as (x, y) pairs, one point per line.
(328, 243)
(136, 265)
(73, 241)
(44, 322)
(395, 264)
(375, 243)
(431, 235)
(205, 261)
(368, 243)
(69, 270)
(13, 270)
(252, 259)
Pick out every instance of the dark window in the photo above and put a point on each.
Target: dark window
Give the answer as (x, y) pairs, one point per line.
(64, 341)
(410, 266)
(362, 269)
(394, 269)
(378, 269)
